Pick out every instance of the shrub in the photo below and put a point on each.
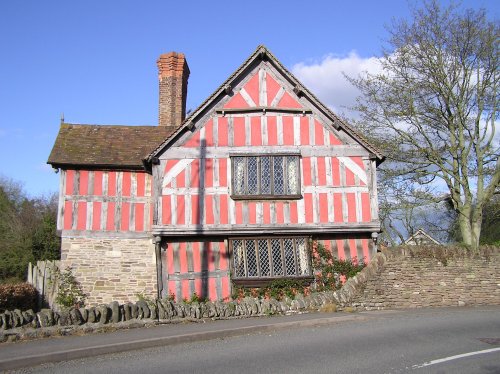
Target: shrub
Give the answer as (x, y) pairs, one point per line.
(70, 293)
(330, 271)
(277, 289)
(329, 274)
(195, 298)
(18, 296)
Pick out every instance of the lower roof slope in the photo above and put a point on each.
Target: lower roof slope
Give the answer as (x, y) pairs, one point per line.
(113, 147)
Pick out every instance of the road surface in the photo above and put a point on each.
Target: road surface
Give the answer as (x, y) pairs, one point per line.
(448, 340)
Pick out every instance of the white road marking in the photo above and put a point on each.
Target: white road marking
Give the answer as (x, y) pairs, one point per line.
(441, 360)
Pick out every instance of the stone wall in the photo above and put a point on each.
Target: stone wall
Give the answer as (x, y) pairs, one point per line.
(22, 325)
(111, 269)
(414, 277)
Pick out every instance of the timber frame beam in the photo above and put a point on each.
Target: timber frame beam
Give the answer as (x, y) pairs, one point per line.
(263, 109)
(268, 230)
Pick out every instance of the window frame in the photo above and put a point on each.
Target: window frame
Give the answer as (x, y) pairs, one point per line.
(259, 280)
(262, 196)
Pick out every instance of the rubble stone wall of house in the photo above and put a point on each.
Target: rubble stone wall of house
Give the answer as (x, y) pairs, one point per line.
(111, 269)
(415, 277)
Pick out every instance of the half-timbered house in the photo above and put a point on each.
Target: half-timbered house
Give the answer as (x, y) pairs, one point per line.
(233, 194)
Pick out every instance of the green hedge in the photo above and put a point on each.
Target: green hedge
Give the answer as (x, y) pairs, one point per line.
(18, 296)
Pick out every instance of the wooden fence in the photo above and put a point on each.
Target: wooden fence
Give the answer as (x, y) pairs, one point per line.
(42, 276)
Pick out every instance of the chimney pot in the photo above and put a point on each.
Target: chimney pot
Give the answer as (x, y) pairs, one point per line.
(173, 74)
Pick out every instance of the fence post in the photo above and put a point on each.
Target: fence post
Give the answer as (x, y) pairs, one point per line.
(41, 277)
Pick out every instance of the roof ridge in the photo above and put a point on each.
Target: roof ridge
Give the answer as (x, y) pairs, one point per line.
(262, 48)
(105, 125)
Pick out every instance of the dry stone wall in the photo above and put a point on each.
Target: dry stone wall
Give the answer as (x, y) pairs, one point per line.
(111, 269)
(20, 325)
(415, 277)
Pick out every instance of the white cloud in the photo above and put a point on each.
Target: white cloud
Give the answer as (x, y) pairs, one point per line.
(326, 80)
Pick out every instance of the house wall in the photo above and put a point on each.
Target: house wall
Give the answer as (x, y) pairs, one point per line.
(194, 176)
(203, 266)
(196, 266)
(105, 222)
(196, 213)
(335, 193)
(354, 247)
(104, 201)
(108, 218)
(111, 269)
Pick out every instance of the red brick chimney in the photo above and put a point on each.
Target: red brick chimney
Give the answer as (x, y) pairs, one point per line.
(173, 74)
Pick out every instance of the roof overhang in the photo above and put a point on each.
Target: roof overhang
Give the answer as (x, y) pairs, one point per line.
(262, 54)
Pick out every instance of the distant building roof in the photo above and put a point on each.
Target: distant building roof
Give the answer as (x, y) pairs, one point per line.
(114, 147)
(420, 237)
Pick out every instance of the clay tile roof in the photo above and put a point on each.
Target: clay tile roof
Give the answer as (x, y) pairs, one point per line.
(114, 147)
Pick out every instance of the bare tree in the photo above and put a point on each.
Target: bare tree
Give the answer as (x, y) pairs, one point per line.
(432, 109)
(405, 207)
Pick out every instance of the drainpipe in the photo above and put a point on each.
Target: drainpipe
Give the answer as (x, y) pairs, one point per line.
(159, 283)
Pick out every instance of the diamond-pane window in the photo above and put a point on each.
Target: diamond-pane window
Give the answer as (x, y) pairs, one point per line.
(277, 257)
(289, 257)
(270, 258)
(265, 266)
(239, 175)
(293, 175)
(279, 176)
(265, 167)
(303, 258)
(266, 176)
(239, 258)
(251, 258)
(253, 180)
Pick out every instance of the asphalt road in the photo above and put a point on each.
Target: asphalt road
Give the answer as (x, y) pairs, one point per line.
(451, 340)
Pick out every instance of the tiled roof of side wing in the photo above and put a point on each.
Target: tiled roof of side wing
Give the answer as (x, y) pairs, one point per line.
(105, 145)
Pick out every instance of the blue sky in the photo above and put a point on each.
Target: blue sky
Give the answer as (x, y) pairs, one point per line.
(95, 61)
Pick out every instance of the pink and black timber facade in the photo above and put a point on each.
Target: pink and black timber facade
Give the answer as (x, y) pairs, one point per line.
(233, 194)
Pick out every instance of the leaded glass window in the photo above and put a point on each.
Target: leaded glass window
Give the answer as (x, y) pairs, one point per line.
(266, 176)
(270, 258)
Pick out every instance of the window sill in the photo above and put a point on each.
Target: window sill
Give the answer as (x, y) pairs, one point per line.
(264, 281)
(266, 197)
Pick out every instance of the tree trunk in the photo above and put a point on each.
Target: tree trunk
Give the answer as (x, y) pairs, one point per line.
(476, 232)
(470, 229)
(465, 229)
